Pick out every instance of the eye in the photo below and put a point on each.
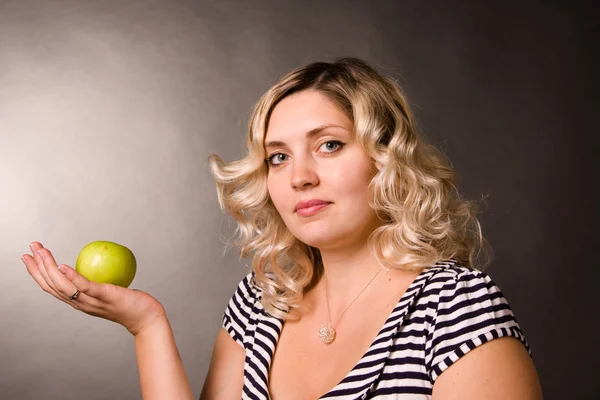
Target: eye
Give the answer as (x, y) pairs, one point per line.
(331, 146)
(276, 159)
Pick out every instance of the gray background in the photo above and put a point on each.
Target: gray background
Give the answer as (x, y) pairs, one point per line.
(109, 110)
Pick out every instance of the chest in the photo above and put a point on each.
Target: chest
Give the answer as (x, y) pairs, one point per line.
(303, 367)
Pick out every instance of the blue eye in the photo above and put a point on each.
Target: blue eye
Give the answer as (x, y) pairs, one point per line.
(328, 147)
(331, 146)
(276, 159)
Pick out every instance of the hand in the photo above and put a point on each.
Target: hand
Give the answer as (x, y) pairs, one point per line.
(134, 309)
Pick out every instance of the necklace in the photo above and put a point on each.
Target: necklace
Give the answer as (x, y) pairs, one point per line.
(327, 333)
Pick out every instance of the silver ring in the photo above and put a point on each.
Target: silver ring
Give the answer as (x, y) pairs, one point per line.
(75, 295)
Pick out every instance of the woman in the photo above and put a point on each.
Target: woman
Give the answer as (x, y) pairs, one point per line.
(366, 277)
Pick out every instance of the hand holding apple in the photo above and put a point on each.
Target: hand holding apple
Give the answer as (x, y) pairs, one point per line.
(134, 309)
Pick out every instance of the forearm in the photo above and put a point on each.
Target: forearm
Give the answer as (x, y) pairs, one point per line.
(162, 375)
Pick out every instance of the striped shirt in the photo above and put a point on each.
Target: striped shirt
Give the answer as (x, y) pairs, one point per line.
(447, 311)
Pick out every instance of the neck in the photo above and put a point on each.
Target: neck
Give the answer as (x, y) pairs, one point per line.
(347, 274)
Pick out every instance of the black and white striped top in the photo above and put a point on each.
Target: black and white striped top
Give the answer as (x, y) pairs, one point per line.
(447, 311)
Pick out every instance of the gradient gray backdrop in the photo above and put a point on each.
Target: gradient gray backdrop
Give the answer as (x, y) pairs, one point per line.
(109, 110)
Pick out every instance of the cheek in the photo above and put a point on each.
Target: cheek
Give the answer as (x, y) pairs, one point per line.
(276, 193)
(351, 179)
(352, 189)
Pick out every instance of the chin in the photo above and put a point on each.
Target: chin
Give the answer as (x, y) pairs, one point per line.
(321, 238)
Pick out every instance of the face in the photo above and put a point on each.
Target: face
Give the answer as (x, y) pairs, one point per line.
(318, 174)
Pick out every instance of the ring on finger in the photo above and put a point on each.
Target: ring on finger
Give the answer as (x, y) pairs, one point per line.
(75, 295)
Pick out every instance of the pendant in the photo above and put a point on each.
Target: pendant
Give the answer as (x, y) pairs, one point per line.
(327, 334)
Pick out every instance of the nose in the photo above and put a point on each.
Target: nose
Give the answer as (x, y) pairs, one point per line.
(303, 175)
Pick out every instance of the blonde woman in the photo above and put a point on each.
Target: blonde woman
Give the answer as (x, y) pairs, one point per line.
(366, 277)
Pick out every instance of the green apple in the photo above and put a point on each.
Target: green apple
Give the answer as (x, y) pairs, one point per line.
(106, 262)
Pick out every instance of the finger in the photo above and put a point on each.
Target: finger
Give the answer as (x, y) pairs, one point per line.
(89, 288)
(80, 282)
(83, 302)
(35, 248)
(93, 293)
(33, 269)
(94, 298)
(62, 285)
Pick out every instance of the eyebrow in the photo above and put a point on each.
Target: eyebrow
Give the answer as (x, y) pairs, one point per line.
(309, 135)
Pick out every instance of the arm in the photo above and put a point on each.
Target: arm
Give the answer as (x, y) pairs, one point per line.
(162, 375)
(499, 369)
(161, 371)
(225, 378)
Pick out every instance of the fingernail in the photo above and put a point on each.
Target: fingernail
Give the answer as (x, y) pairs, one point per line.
(23, 259)
(40, 253)
(61, 269)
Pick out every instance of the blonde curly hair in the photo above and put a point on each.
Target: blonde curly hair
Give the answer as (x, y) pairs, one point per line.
(427, 220)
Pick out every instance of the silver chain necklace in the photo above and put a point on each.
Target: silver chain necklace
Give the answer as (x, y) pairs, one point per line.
(327, 333)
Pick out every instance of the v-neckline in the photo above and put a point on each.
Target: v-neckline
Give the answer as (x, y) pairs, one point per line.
(383, 339)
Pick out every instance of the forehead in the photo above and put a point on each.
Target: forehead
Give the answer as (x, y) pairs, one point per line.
(301, 112)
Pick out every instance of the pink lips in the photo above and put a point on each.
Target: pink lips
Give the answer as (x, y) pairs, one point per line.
(310, 207)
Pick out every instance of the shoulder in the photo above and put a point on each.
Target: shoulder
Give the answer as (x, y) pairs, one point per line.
(472, 321)
(242, 309)
(448, 283)
(449, 272)
(247, 290)
(467, 309)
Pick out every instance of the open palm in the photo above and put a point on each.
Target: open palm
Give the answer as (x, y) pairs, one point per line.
(134, 309)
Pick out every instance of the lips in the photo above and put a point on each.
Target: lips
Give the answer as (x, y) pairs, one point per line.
(310, 207)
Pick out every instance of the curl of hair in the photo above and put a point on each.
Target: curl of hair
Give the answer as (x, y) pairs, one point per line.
(427, 220)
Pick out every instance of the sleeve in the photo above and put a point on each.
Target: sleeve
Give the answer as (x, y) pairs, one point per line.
(471, 310)
(241, 309)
